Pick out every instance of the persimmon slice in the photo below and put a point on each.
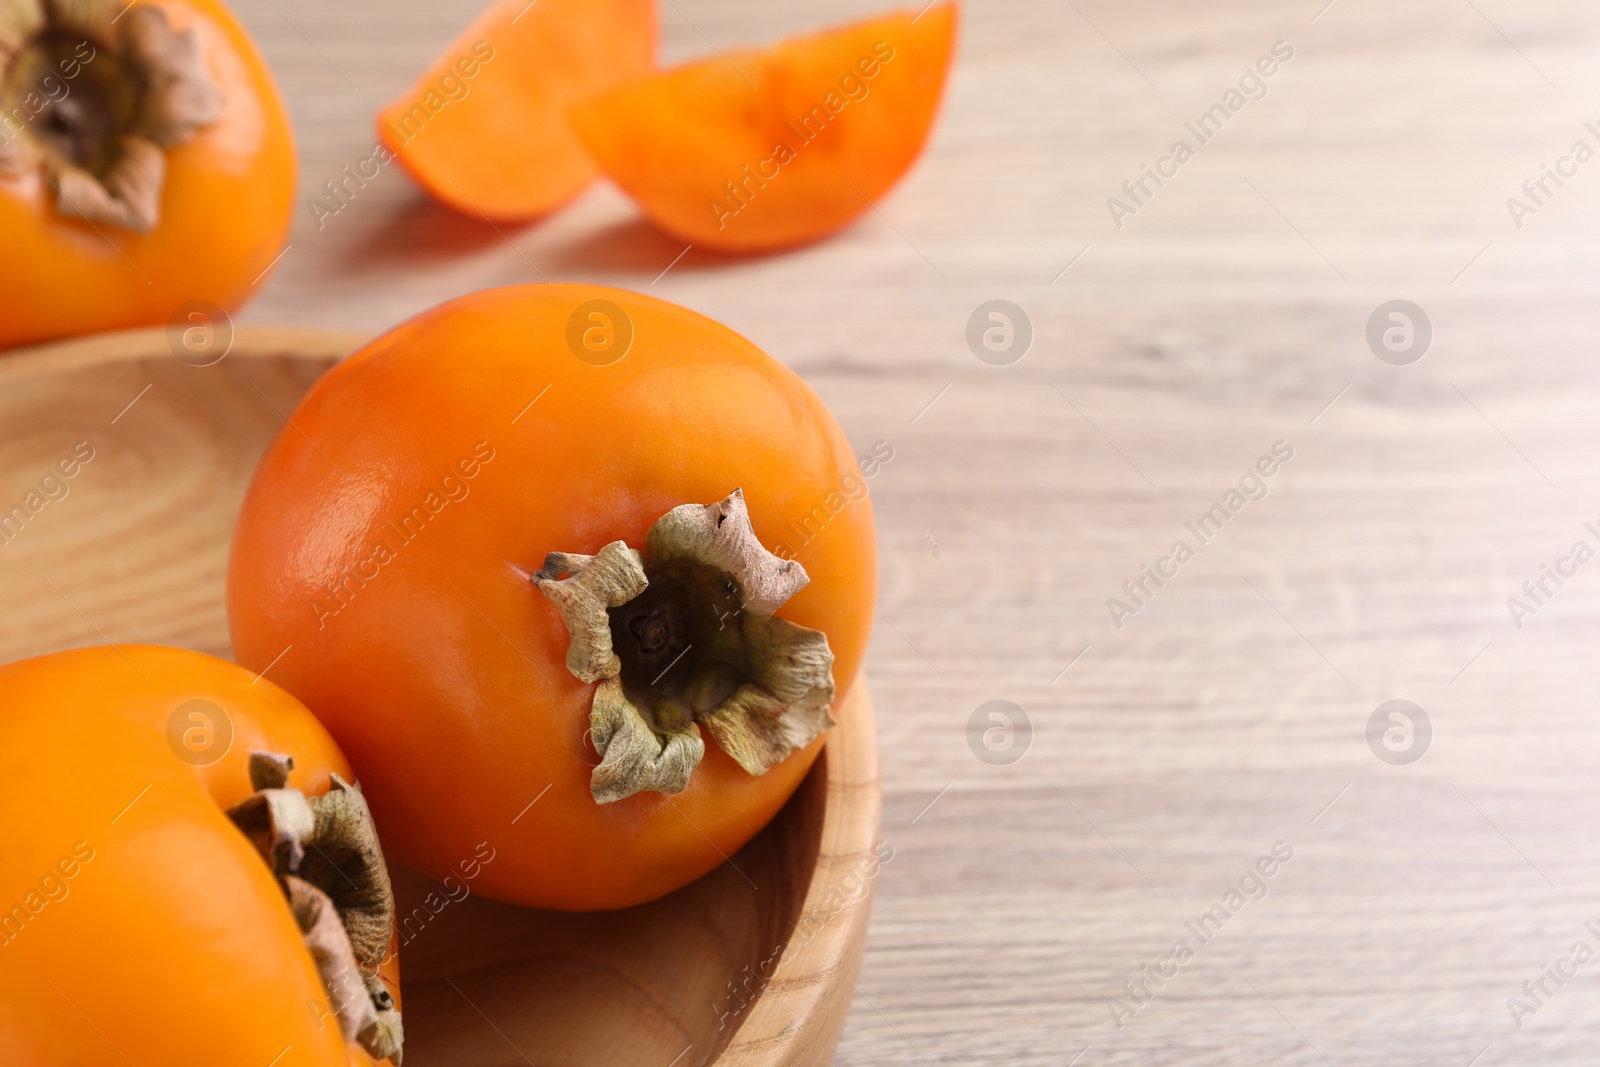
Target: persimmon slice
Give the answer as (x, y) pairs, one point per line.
(485, 129)
(765, 149)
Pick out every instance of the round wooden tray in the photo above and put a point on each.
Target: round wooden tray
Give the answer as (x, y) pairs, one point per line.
(753, 964)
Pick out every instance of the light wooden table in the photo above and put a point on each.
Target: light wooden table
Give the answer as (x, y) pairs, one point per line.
(1227, 314)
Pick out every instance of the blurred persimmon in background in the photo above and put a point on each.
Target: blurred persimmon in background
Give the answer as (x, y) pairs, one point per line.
(145, 163)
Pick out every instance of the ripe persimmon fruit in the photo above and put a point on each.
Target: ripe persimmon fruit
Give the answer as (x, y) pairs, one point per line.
(568, 569)
(485, 129)
(145, 163)
(189, 876)
(760, 150)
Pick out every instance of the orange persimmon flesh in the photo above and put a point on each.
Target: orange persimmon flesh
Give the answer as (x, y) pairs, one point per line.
(485, 129)
(767, 149)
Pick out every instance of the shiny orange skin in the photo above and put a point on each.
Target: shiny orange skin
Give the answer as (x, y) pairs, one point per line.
(720, 153)
(499, 143)
(172, 944)
(224, 212)
(442, 673)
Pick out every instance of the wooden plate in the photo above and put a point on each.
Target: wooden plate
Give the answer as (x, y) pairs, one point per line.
(752, 965)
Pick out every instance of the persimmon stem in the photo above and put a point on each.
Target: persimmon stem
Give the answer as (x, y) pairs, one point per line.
(93, 94)
(686, 635)
(325, 853)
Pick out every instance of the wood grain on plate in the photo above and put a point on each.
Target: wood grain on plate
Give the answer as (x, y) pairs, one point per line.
(751, 966)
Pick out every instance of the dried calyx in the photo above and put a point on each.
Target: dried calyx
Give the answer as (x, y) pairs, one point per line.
(92, 95)
(325, 853)
(685, 634)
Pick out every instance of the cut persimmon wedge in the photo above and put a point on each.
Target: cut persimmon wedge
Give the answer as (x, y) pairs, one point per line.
(759, 150)
(485, 129)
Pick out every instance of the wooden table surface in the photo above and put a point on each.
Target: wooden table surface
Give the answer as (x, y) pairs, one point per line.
(1228, 313)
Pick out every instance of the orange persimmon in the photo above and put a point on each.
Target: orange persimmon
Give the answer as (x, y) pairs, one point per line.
(485, 129)
(505, 549)
(138, 924)
(145, 164)
(765, 149)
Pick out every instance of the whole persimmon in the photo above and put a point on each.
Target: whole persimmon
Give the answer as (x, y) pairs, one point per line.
(145, 165)
(568, 569)
(189, 875)
(485, 129)
(757, 150)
